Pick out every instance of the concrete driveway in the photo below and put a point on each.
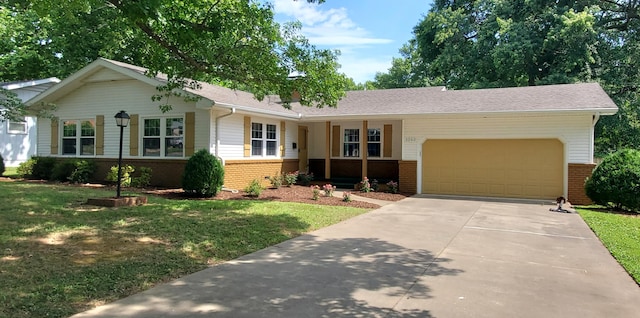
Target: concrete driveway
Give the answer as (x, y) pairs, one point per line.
(420, 257)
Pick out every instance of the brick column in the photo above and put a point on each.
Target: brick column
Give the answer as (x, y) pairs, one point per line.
(578, 173)
(408, 176)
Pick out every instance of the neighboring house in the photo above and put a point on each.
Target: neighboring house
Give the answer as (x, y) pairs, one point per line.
(528, 142)
(18, 138)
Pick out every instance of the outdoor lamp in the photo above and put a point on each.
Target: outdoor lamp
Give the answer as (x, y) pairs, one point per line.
(122, 120)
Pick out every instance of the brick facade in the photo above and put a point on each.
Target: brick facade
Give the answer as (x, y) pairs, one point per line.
(164, 173)
(408, 179)
(239, 173)
(578, 172)
(168, 172)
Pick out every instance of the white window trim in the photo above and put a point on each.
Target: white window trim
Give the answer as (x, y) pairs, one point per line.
(17, 132)
(264, 139)
(344, 142)
(162, 137)
(380, 142)
(78, 137)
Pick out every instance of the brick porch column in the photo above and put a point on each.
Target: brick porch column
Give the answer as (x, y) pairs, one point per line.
(578, 173)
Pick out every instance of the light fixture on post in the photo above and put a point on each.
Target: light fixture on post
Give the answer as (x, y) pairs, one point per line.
(122, 120)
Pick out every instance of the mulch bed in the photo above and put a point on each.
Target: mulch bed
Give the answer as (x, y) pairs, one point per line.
(296, 193)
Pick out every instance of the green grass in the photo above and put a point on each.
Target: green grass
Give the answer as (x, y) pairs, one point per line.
(10, 172)
(620, 233)
(59, 257)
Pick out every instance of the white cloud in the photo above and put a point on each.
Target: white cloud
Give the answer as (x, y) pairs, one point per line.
(363, 69)
(329, 27)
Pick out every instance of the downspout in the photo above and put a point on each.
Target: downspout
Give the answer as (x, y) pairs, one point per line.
(595, 119)
(233, 111)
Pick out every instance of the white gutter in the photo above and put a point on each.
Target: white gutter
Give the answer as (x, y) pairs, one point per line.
(259, 111)
(233, 111)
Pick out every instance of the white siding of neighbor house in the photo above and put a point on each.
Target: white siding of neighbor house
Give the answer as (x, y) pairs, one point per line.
(232, 136)
(575, 131)
(317, 132)
(108, 98)
(16, 148)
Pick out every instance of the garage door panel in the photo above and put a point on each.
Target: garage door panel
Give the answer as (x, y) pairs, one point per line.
(524, 168)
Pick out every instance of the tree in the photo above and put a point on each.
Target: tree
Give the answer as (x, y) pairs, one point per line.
(406, 71)
(490, 43)
(232, 42)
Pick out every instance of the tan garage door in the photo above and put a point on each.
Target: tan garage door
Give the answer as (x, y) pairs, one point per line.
(522, 168)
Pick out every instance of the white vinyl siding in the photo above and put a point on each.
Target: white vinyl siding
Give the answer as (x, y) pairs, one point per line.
(572, 130)
(232, 137)
(108, 98)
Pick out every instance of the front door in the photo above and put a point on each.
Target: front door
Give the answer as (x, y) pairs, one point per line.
(303, 135)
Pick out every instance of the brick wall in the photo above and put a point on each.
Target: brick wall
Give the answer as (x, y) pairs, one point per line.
(408, 176)
(165, 172)
(578, 172)
(239, 173)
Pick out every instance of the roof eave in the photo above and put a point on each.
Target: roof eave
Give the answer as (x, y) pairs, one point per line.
(254, 110)
(601, 111)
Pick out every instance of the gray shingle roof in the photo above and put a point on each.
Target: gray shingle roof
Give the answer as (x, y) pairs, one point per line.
(424, 100)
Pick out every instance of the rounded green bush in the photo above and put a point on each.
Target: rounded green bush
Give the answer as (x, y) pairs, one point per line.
(203, 175)
(616, 181)
(1, 165)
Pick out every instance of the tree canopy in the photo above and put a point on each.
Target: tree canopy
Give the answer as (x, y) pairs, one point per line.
(493, 43)
(235, 43)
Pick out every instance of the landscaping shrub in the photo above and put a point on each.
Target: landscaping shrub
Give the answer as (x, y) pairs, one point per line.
(276, 181)
(203, 175)
(1, 165)
(392, 186)
(83, 172)
(125, 175)
(42, 167)
(305, 178)
(74, 170)
(62, 170)
(144, 179)
(616, 181)
(315, 191)
(364, 185)
(254, 188)
(25, 169)
(328, 190)
(290, 178)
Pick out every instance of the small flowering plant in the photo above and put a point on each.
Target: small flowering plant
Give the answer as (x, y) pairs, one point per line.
(392, 186)
(315, 190)
(328, 190)
(346, 196)
(365, 186)
(290, 178)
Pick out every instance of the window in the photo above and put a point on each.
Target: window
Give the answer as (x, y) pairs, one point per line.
(163, 137)
(263, 142)
(78, 132)
(373, 142)
(17, 127)
(352, 142)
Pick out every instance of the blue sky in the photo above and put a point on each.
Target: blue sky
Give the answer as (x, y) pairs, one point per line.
(368, 33)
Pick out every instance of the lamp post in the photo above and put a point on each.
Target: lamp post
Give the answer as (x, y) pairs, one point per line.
(122, 120)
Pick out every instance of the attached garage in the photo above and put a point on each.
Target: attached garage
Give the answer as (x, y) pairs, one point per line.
(514, 168)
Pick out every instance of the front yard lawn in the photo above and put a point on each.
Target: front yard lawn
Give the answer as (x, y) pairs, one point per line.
(59, 256)
(620, 233)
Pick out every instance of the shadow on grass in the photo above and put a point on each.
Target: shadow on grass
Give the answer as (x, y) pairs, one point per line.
(305, 277)
(58, 257)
